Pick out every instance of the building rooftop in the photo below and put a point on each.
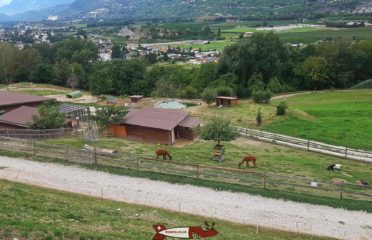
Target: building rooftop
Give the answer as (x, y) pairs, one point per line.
(224, 97)
(11, 98)
(21, 116)
(165, 119)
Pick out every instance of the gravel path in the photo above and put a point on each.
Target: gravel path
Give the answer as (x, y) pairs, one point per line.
(236, 207)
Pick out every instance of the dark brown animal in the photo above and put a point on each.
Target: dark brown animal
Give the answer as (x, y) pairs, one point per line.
(247, 159)
(163, 152)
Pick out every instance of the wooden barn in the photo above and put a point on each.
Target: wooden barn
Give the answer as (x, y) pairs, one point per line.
(11, 100)
(162, 126)
(226, 101)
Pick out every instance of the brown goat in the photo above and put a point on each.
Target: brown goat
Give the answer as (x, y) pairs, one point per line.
(163, 152)
(247, 159)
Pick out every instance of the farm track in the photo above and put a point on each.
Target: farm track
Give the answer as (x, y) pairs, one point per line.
(236, 207)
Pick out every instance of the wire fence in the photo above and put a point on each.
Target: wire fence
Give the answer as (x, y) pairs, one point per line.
(251, 179)
(313, 146)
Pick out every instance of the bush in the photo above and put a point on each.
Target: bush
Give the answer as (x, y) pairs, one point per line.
(263, 96)
(189, 93)
(275, 86)
(281, 109)
(209, 96)
(225, 91)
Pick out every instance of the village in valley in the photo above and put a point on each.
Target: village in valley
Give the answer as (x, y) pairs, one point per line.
(198, 120)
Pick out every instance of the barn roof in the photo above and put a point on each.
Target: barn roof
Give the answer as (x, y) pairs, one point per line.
(21, 116)
(225, 97)
(191, 122)
(11, 98)
(165, 119)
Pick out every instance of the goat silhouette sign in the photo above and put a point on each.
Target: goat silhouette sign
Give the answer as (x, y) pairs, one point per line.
(185, 232)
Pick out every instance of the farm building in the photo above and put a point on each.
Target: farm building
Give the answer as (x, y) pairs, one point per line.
(18, 118)
(21, 118)
(226, 101)
(11, 100)
(156, 125)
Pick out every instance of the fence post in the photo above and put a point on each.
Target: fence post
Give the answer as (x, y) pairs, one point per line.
(95, 156)
(346, 152)
(246, 131)
(68, 152)
(308, 145)
(197, 171)
(34, 147)
(342, 191)
(265, 179)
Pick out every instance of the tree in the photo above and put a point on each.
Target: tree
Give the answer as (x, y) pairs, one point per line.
(105, 116)
(117, 52)
(262, 96)
(209, 96)
(76, 75)
(7, 54)
(218, 130)
(101, 82)
(314, 70)
(49, 117)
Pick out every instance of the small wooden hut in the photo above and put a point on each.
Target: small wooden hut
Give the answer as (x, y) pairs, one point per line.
(135, 98)
(226, 101)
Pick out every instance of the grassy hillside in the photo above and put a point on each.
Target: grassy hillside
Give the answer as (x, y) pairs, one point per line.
(35, 213)
(335, 117)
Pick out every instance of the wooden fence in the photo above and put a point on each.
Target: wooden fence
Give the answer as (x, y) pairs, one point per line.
(251, 179)
(339, 151)
(35, 134)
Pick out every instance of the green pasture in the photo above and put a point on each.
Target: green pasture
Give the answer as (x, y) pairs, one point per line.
(313, 36)
(271, 158)
(36, 213)
(335, 117)
(42, 92)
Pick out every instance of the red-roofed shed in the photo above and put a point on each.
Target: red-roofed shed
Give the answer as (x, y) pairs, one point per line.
(156, 125)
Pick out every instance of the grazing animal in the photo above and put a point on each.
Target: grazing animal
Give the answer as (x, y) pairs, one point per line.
(364, 183)
(163, 152)
(334, 167)
(247, 159)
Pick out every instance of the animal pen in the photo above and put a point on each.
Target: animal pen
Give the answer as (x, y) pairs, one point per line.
(252, 179)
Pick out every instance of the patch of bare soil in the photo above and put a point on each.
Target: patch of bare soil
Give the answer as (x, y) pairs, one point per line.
(83, 99)
(289, 95)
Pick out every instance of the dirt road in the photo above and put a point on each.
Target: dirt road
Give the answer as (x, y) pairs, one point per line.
(236, 207)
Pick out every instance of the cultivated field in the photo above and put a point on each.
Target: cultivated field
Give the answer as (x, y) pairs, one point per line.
(37, 213)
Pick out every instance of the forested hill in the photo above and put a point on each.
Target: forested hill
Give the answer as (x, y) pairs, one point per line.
(191, 9)
(198, 8)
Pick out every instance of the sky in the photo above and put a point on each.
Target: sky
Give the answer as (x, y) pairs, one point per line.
(3, 2)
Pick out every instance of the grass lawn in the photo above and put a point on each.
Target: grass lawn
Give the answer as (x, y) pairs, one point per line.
(335, 117)
(271, 158)
(42, 92)
(36, 213)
